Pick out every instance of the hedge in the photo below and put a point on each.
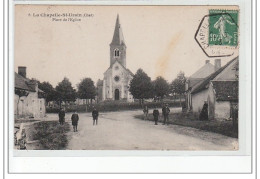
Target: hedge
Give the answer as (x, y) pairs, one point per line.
(113, 106)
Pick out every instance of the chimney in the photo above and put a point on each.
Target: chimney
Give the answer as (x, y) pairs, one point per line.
(217, 64)
(207, 61)
(22, 71)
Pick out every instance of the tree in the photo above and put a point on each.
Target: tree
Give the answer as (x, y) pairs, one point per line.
(177, 86)
(86, 89)
(65, 91)
(141, 86)
(161, 87)
(48, 90)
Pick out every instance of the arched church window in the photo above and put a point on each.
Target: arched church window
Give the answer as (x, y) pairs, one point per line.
(116, 53)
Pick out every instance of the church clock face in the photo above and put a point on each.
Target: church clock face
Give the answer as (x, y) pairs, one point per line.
(117, 78)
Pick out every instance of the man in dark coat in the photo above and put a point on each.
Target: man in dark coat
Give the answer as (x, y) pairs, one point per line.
(165, 111)
(95, 116)
(61, 116)
(155, 115)
(204, 112)
(75, 119)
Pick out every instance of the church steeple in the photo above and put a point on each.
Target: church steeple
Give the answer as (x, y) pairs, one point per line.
(117, 46)
(118, 38)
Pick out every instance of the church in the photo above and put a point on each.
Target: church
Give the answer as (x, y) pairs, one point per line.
(116, 81)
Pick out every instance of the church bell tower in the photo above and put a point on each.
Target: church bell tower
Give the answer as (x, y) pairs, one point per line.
(117, 46)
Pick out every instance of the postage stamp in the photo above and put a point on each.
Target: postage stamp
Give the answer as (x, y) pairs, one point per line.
(223, 29)
(218, 32)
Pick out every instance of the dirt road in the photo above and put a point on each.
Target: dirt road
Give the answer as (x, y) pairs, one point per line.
(121, 131)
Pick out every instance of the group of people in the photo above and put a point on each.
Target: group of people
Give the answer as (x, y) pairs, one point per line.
(156, 114)
(95, 114)
(75, 118)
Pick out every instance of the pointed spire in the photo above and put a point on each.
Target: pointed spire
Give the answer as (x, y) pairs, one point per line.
(118, 37)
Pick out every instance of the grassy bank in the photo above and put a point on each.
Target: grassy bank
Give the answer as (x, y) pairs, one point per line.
(49, 134)
(189, 120)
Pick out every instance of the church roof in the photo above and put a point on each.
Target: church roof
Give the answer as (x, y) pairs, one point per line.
(118, 38)
(120, 65)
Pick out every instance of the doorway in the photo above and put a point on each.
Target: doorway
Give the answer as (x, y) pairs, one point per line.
(117, 94)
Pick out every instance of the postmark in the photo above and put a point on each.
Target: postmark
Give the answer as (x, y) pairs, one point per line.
(218, 33)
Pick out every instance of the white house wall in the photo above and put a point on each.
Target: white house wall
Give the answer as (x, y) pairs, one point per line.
(198, 100)
(211, 101)
(30, 106)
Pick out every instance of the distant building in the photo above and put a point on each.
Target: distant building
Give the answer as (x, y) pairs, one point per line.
(115, 84)
(197, 77)
(220, 90)
(29, 100)
(84, 101)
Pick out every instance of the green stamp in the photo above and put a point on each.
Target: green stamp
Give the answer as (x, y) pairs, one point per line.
(223, 27)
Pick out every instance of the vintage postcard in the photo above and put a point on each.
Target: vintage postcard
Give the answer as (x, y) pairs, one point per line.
(160, 78)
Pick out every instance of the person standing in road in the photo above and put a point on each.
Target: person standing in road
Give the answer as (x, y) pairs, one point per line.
(75, 119)
(61, 116)
(165, 111)
(146, 110)
(204, 112)
(155, 115)
(95, 116)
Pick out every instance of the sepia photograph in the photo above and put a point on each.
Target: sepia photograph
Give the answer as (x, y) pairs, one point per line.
(126, 77)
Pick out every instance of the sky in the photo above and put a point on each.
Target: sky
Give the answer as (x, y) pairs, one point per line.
(159, 39)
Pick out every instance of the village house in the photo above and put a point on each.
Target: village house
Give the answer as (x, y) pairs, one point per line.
(220, 91)
(29, 100)
(197, 77)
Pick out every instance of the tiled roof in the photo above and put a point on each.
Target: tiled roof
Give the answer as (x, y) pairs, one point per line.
(204, 84)
(23, 83)
(118, 37)
(226, 90)
(204, 71)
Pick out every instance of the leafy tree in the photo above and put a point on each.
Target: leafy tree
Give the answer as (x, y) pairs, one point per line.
(86, 89)
(161, 87)
(141, 86)
(177, 86)
(49, 91)
(65, 91)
